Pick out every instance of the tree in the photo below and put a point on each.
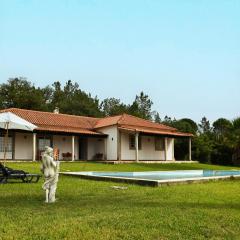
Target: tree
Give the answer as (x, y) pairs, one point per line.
(235, 136)
(202, 149)
(141, 107)
(221, 128)
(156, 117)
(20, 93)
(181, 144)
(204, 126)
(236, 123)
(73, 100)
(113, 106)
(167, 121)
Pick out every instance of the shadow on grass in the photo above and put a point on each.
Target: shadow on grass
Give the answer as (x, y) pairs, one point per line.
(30, 201)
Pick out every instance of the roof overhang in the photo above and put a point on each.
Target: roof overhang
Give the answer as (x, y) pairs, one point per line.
(155, 132)
(69, 131)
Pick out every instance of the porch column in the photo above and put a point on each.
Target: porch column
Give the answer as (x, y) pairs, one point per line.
(190, 149)
(73, 147)
(136, 146)
(166, 147)
(173, 157)
(105, 149)
(34, 146)
(119, 145)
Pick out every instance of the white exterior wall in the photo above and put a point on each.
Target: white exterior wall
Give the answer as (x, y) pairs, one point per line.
(23, 146)
(147, 152)
(24, 141)
(64, 144)
(8, 155)
(111, 141)
(95, 145)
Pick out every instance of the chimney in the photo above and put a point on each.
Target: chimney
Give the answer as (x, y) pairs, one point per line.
(56, 110)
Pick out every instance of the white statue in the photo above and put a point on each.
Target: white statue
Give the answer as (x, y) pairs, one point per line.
(50, 169)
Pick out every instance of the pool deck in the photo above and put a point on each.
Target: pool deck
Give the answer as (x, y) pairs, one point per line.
(150, 182)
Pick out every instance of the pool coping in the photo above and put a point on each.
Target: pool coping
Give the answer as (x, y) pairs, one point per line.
(150, 182)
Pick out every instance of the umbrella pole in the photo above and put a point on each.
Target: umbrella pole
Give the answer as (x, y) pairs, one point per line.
(5, 143)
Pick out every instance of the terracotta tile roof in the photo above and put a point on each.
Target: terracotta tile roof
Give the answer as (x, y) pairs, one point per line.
(48, 121)
(108, 121)
(126, 121)
(65, 123)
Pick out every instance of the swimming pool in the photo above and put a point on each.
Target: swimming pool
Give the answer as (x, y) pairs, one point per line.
(157, 178)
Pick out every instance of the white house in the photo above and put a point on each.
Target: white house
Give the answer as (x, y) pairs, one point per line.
(118, 138)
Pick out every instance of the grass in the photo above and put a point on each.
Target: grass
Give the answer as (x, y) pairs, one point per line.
(93, 210)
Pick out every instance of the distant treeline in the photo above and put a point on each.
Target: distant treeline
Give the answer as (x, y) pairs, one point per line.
(216, 143)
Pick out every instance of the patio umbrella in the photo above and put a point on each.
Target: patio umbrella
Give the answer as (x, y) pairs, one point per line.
(10, 120)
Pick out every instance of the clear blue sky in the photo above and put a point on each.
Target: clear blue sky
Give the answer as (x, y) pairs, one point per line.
(184, 54)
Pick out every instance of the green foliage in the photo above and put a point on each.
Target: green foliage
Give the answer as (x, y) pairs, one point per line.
(20, 93)
(113, 106)
(185, 125)
(156, 117)
(236, 123)
(141, 107)
(204, 126)
(168, 121)
(72, 100)
(221, 128)
(202, 148)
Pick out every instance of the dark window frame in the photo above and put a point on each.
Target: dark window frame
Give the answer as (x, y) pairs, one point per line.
(132, 144)
(159, 144)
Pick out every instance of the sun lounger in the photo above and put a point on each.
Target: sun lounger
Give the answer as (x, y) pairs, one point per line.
(7, 173)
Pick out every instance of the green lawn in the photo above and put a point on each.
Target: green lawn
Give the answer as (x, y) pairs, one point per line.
(93, 210)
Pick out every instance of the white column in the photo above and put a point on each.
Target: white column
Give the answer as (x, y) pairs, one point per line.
(34, 146)
(136, 146)
(173, 142)
(119, 145)
(166, 147)
(190, 149)
(73, 147)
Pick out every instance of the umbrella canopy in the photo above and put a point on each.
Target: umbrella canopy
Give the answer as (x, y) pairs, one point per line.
(10, 120)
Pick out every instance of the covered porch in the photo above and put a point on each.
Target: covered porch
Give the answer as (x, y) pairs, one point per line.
(147, 145)
(71, 147)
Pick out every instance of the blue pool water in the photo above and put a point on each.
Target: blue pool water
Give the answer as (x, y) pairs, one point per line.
(163, 175)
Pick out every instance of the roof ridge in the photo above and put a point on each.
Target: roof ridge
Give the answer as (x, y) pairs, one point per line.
(142, 119)
(65, 114)
(121, 118)
(106, 117)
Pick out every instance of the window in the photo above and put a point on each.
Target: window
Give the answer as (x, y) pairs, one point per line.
(159, 144)
(132, 142)
(9, 147)
(42, 142)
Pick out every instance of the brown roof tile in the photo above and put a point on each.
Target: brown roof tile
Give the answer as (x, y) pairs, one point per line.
(48, 121)
(138, 124)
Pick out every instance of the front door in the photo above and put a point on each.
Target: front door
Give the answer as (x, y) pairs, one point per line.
(83, 146)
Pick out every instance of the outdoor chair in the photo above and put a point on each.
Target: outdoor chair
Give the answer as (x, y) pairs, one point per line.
(7, 173)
